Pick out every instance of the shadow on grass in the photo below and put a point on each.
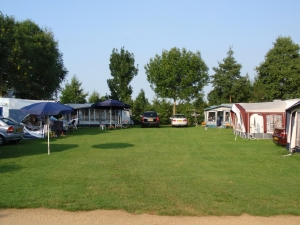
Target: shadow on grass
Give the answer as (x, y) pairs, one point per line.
(113, 145)
(9, 168)
(30, 148)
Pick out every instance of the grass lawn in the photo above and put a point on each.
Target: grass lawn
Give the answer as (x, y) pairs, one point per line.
(165, 171)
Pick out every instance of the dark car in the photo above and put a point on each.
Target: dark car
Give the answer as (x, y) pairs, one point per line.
(10, 130)
(150, 119)
(279, 136)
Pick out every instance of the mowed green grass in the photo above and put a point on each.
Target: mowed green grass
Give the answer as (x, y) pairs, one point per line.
(164, 171)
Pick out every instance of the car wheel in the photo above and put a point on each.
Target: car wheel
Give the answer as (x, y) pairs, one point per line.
(2, 140)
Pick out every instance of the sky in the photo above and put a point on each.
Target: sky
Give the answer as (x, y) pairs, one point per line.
(88, 31)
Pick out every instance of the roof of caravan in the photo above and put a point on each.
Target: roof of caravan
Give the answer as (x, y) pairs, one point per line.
(276, 106)
(219, 106)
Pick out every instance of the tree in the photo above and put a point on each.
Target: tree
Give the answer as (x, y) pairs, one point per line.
(35, 65)
(228, 82)
(139, 105)
(215, 96)
(163, 108)
(7, 25)
(279, 74)
(177, 74)
(199, 105)
(73, 93)
(94, 97)
(122, 70)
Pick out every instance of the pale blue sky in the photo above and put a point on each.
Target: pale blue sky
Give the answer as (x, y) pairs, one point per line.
(87, 32)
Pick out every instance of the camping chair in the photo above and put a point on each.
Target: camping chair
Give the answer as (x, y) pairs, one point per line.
(119, 122)
(72, 125)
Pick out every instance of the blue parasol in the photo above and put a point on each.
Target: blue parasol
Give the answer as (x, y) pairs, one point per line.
(47, 109)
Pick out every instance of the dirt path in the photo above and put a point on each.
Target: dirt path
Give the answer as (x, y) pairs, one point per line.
(104, 217)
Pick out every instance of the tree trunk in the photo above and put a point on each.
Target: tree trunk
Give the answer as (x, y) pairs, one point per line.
(174, 107)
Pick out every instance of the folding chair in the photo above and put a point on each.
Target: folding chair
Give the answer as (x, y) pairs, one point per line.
(119, 122)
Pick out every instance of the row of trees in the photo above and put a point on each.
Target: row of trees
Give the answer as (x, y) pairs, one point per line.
(31, 65)
(278, 77)
(180, 75)
(30, 61)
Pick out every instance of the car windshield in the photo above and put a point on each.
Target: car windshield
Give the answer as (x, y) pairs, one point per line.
(179, 116)
(8, 121)
(150, 114)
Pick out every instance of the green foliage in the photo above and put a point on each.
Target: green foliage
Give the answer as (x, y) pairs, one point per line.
(122, 70)
(166, 171)
(139, 105)
(94, 97)
(163, 108)
(32, 64)
(73, 93)
(7, 25)
(177, 74)
(278, 76)
(199, 105)
(229, 85)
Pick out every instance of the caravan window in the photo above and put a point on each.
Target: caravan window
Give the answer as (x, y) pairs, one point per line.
(273, 121)
(211, 116)
(227, 117)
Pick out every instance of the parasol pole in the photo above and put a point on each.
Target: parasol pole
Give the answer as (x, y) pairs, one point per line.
(110, 117)
(48, 135)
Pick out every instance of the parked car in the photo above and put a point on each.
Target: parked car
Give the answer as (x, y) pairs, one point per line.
(10, 130)
(150, 119)
(179, 120)
(279, 136)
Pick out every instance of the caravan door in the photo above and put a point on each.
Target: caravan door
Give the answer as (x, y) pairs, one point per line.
(256, 124)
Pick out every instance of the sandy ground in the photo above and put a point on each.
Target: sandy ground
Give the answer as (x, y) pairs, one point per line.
(43, 216)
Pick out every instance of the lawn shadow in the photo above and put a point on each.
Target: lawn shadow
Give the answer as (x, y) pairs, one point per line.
(113, 145)
(22, 149)
(9, 168)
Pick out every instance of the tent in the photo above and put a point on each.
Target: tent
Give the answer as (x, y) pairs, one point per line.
(258, 120)
(293, 127)
(115, 117)
(217, 113)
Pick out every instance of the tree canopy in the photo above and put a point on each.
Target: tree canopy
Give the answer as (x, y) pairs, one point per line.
(140, 105)
(122, 70)
(228, 84)
(95, 97)
(177, 74)
(32, 64)
(279, 75)
(73, 93)
(7, 26)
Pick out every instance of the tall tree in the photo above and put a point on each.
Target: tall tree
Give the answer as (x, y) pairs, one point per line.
(215, 96)
(7, 26)
(139, 105)
(73, 93)
(36, 67)
(279, 74)
(177, 74)
(227, 81)
(94, 97)
(164, 110)
(122, 70)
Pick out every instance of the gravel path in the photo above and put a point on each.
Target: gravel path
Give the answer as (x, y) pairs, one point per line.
(43, 216)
